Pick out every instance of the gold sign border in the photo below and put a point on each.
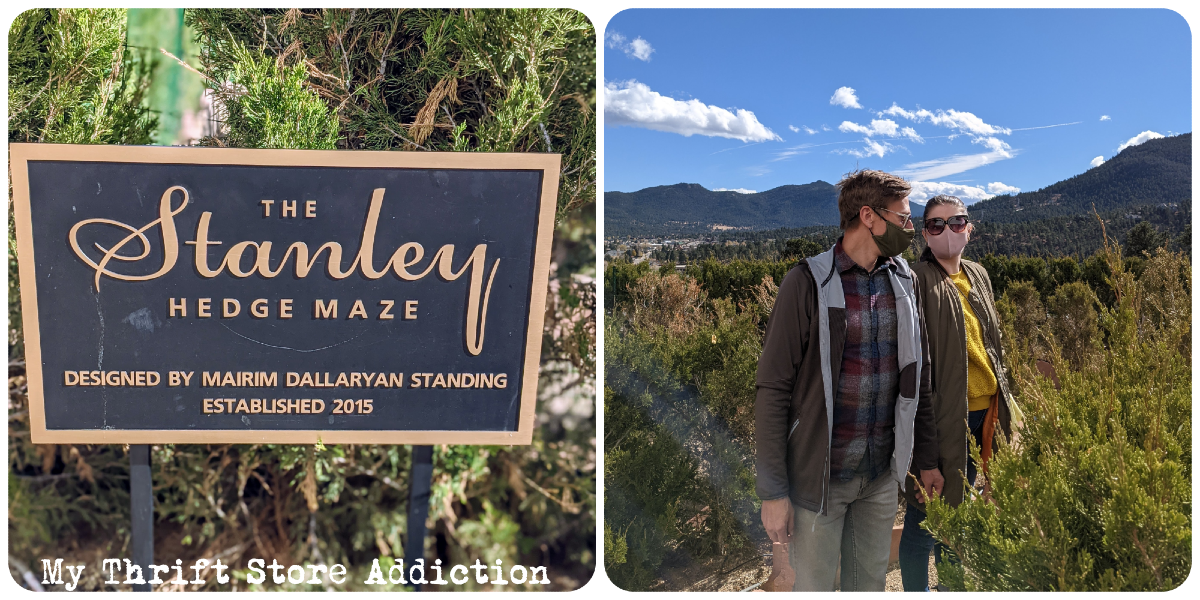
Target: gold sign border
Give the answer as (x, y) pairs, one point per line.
(21, 154)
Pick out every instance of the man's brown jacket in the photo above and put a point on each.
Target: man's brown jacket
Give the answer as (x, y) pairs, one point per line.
(793, 408)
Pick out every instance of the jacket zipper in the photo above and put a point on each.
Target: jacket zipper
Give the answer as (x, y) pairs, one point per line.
(824, 482)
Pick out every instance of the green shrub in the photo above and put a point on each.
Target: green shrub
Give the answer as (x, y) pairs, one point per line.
(1096, 492)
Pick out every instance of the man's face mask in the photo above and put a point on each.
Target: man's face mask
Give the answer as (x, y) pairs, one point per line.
(895, 239)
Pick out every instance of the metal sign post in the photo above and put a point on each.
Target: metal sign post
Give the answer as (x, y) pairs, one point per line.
(141, 504)
(421, 479)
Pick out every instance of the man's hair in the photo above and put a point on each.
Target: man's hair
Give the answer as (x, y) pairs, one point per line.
(944, 199)
(875, 189)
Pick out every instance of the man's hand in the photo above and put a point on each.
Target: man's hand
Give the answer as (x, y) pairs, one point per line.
(777, 519)
(932, 481)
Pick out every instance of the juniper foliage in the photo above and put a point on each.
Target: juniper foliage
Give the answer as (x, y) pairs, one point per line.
(462, 80)
(73, 81)
(1096, 492)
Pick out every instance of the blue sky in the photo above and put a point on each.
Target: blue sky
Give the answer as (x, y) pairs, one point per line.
(971, 102)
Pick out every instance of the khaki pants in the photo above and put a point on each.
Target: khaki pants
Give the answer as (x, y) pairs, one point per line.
(857, 530)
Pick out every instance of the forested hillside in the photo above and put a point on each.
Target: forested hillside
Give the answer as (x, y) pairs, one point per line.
(1078, 235)
(690, 208)
(1156, 172)
(1152, 182)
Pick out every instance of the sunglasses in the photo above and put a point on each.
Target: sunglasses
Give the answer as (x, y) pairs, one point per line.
(957, 223)
(907, 224)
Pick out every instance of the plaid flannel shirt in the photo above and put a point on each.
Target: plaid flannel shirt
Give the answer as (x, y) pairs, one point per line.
(864, 406)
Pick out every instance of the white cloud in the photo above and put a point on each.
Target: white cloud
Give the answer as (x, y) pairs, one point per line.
(871, 148)
(996, 145)
(825, 128)
(961, 121)
(1105, 118)
(738, 190)
(638, 48)
(804, 128)
(884, 127)
(1099, 160)
(998, 188)
(1140, 139)
(844, 97)
(635, 104)
(944, 167)
(969, 194)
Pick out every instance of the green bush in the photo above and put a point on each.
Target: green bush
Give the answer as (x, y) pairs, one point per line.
(679, 398)
(1096, 492)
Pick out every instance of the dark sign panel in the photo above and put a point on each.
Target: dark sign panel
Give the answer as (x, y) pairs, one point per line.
(286, 296)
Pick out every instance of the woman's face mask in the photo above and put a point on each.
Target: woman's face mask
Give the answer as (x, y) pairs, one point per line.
(944, 240)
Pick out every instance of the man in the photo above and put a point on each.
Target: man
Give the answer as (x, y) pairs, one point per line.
(843, 394)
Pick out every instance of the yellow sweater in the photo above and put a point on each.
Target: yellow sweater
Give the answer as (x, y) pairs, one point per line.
(981, 380)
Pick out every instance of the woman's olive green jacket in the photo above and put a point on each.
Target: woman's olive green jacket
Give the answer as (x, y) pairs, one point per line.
(948, 359)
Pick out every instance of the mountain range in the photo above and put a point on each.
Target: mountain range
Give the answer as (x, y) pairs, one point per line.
(1156, 172)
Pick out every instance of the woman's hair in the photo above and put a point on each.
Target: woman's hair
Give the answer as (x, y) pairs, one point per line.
(944, 199)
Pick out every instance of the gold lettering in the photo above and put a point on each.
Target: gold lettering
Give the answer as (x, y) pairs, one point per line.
(366, 248)
(258, 308)
(357, 309)
(230, 308)
(202, 245)
(173, 307)
(323, 311)
(407, 256)
(165, 221)
(386, 313)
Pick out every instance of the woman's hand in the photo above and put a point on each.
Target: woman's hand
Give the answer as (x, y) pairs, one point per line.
(931, 481)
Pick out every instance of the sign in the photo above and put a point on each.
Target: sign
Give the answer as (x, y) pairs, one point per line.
(214, 295)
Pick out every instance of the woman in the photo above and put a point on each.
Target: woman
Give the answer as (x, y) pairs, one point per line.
(970, 392)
